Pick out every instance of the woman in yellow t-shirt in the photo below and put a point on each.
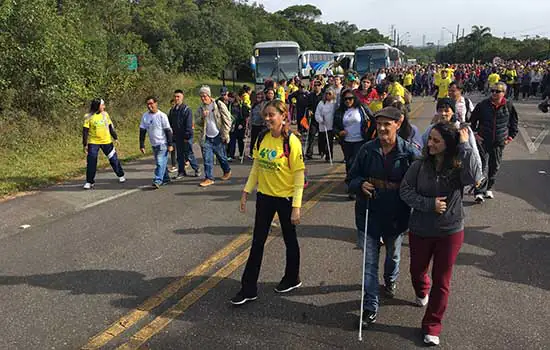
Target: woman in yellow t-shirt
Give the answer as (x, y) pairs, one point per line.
(98, 133)
(278, 173)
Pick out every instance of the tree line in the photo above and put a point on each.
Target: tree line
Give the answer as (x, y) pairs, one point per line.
(59, 54)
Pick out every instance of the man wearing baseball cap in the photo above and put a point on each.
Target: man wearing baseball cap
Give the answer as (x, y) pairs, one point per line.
(376, 176)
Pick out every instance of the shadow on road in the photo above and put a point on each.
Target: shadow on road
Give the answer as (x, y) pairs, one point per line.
(518, 256)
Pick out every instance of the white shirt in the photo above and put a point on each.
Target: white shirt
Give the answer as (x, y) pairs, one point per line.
(155, 123)
(460, 107)
(211, 126)
(324, 115)
(352, 124)
(380, 77)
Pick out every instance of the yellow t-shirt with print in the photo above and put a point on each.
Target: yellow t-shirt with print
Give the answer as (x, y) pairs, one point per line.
(437, 78)
(98, 124)
(408, 79)
(444, 87)
(376, 105)
(512, 75)
(396, 89)
(275, 177)
(246, 100)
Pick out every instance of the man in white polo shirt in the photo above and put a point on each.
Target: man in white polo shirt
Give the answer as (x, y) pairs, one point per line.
(157, 125)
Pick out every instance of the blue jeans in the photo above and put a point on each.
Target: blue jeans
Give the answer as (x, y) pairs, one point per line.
(211, 147)
(161, 160)
(391, 266)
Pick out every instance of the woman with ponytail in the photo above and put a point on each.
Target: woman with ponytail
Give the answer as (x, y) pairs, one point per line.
(278, 174)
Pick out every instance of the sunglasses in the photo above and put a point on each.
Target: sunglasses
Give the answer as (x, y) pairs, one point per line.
(494, 91)
(349, 98)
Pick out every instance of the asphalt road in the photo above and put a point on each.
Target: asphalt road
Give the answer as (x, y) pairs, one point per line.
(124, 267)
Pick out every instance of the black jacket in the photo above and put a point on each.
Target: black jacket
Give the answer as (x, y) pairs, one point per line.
(495, 123)
(181, 121)
(313, 101)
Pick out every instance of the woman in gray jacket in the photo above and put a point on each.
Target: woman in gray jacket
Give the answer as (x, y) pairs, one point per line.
(433, 187)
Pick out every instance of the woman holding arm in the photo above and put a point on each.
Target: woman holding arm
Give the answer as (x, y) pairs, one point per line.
(278, 174)
(433, 187)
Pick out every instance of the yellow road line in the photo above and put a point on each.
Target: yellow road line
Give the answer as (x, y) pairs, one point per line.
(143, 310)
(160, 322)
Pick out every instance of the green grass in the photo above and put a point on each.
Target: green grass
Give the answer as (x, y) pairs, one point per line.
(40, 154)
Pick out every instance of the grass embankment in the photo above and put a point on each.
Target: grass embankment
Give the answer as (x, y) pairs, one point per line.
(37, 153)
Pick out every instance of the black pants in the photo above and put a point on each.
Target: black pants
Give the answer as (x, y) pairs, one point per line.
(313, 129)
(254, 132)
(534, 89)
(266, 207)
(173, 158)
(350, 151)
(323, 143)
(491, 157)
(91, 160)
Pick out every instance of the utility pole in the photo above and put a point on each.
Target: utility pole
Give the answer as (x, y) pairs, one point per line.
(463, 30)
(457, 32)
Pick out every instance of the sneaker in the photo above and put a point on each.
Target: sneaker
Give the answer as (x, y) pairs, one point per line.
(180, 176)
(369, 317)
(173, 169)
(431, 340)
(489, 195)
(240, 299)
(389, 289)
(155, 186)
(88, 186)
(285, 287)
(230, 159)
(226, 176)
(122, 179)
(206, 183)
(421, 302)
(479, 198)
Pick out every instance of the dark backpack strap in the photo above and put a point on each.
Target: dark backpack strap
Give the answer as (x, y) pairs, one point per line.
(286, 148)
(260, 138)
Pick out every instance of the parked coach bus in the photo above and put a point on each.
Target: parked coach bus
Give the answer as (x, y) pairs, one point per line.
(275, 60)
(372, 57)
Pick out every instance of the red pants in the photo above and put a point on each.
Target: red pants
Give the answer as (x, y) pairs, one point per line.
(443, 250)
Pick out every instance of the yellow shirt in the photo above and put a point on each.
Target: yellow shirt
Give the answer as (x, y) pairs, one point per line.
(512, 76)
(375, 106)
(493, 79)
(275, 177)
(437, 78)
(396, 89)
(444, 87)
(246, 100)
(281, 94)
(98, 124)
(292, 88)
(408, 79)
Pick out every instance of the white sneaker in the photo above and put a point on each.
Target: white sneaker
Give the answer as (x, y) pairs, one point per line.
(121, 179)
(489, 194)
(479, 198)
(422, 301)
(431, 340)
(88, 185)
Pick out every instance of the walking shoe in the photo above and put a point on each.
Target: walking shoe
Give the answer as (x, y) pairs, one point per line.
(155, 186)
(122, 179)
(489, 195)
(226, 176)
(230, 159)
(173, 169)
(180, 176)
(285, 287)
(206, 183)
(421, 302)
(431, 340)
(479, 198)
(88, 186)
(389, 289)
(369, 317)
(240, 299)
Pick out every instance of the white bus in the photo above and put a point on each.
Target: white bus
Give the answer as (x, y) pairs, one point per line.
(316, 62)
(275, 60)
(372, 57)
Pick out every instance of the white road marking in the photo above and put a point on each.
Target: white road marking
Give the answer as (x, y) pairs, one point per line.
(23, 227)
(108, 199)
(533, 146)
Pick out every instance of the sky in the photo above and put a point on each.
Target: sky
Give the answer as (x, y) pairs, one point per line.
(510, 18)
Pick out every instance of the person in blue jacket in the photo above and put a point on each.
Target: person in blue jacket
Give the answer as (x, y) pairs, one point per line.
(375, 178)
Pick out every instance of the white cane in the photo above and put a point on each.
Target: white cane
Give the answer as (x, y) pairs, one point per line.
(363, 275)
(328, 146)
(246, 141)
(304, 146)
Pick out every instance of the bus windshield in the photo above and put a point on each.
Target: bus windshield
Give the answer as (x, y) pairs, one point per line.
(370, 61)
(270, 65)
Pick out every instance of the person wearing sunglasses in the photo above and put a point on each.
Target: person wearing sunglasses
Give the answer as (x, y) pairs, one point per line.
(495, 120)
(354, 124)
